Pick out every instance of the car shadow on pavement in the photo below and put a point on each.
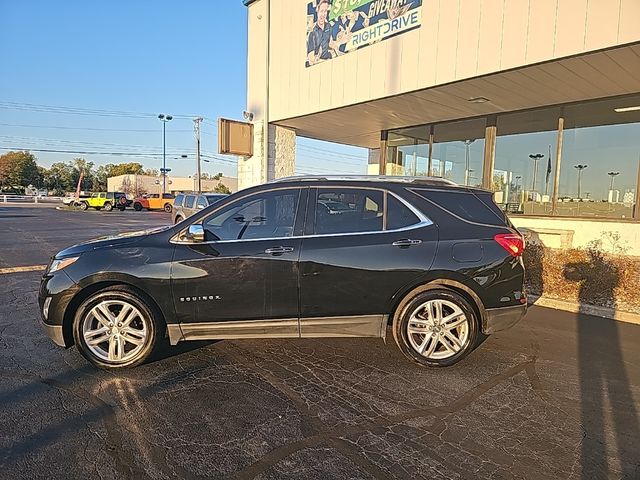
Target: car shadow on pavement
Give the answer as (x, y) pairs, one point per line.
(169, 351)
(608, 413)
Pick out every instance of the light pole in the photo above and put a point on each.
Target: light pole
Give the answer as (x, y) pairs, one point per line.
(164, 119)
(535, 157)
(613, 176)
(467, 145)
(580, 167)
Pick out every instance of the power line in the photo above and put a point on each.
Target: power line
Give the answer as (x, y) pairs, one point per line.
(81, 111)
(59, 127)
(82, 152)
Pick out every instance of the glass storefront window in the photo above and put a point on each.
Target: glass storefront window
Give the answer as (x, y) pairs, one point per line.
(600, 158)
(458, 151)
(524, 165)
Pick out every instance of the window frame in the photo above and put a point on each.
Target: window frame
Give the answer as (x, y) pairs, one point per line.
(304, 223)
(193, 204)
(423, 220)
(298, 221)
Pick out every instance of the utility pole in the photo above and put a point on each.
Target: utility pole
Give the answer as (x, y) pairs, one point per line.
(196, 128)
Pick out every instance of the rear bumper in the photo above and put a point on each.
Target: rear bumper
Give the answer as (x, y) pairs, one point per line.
(498, 319)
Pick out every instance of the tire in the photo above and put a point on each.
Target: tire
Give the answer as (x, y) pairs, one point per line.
(419, 311)
(108, 206)
(137, 207)
(83, 206)
(178, 219)
(167, 207)
(139, 341)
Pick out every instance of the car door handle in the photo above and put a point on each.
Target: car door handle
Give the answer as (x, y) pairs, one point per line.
(278, 250)
(405, 242)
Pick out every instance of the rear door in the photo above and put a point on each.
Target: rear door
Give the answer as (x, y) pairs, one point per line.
(363, 246)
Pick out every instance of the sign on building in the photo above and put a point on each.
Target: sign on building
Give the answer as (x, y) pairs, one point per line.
(235, 137)
(336, 27)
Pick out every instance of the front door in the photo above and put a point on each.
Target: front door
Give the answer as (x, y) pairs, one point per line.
(366, 245)
(242, 280)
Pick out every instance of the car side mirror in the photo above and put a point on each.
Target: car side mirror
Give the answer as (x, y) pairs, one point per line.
(199, 207)
(195, 233)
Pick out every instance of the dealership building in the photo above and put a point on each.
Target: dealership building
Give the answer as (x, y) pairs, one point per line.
(536, 100)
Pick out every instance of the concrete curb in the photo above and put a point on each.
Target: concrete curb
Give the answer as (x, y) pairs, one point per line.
(575, 307)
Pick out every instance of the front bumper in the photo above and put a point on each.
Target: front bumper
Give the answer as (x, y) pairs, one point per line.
(498, 319)
(56, 292)
(55, 333)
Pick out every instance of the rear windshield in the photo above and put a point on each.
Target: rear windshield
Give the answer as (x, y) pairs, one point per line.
(466, 205)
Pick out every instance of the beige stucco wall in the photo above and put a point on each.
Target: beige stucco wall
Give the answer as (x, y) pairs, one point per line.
(458, 39)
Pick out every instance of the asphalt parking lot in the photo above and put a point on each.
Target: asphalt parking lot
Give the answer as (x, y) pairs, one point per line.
(558, 396)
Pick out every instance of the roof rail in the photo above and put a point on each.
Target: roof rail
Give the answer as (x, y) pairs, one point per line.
(367, 178)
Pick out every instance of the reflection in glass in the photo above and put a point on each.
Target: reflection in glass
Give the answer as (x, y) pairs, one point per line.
(599, 170)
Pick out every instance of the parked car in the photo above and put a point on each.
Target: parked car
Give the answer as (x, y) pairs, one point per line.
(71, 200)
(106, 200)
(186, 204)
(154, 201)
(441, 263)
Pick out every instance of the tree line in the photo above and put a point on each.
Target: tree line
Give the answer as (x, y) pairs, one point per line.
(18, 170)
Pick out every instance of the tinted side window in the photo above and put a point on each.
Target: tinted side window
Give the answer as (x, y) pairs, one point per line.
(167, 195)
(465, 205)
(346, 210)
(263, 215)
(178, 201)
(202, 202)
(399, 215)
(188, 201)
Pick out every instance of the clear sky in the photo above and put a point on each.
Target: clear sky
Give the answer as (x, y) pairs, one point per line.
(93, 76)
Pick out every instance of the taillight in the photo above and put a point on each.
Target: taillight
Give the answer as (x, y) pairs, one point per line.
(511, 242)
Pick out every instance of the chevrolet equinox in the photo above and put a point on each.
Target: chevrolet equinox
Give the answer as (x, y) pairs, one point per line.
(299, 257)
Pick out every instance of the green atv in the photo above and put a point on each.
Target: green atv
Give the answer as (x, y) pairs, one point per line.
(106, 200)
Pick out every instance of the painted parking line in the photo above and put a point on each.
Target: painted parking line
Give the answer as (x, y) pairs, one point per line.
(29, 268)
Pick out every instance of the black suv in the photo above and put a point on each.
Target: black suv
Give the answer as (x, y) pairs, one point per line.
(299, 257)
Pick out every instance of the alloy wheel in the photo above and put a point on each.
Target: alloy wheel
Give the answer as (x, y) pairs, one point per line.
(438, 329)
(115, 331)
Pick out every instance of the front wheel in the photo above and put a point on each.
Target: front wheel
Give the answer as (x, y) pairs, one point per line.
(435, 328)
(137, 206)
(116, 328)
(178, 219)
(108, 207)
(83, 205)
(167, 207)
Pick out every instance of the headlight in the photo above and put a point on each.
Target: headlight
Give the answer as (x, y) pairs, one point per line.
(60, 263)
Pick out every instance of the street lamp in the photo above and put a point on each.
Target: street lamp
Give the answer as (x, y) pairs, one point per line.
(535, 157)
(580, 167)
(467, 146)
(613, 176)
(164, 119)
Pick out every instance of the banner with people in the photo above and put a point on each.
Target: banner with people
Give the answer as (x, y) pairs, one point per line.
(336, 27)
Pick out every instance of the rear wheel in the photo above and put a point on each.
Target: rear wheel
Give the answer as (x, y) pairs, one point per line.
(178, 219)
(137, 206)
(108, 206)
(167, 207)
(436, 328)
(117, 328)
(83, 205)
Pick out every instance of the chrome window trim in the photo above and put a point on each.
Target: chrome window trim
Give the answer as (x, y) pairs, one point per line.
(424, 222)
